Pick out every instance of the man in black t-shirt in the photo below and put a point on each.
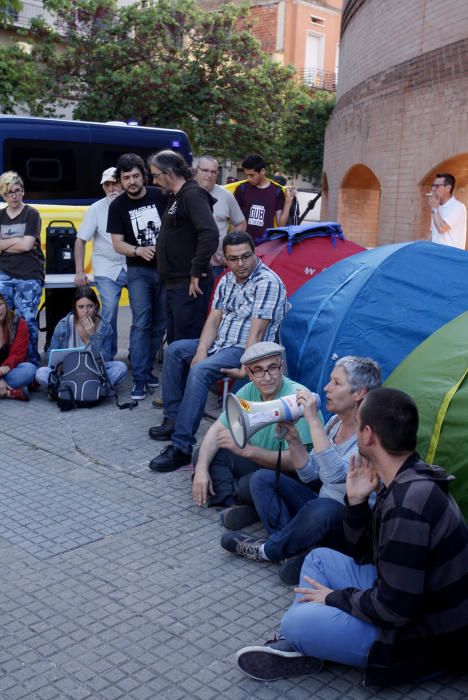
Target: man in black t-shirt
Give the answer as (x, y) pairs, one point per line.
(134, 221)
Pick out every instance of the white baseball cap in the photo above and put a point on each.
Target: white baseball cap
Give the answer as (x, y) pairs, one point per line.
(108, 175)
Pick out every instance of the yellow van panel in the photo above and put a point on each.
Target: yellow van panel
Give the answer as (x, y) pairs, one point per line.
(75, 214)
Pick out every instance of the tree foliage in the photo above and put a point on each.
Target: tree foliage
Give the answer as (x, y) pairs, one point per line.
(167, 63)
(303, 133)
(8, 10)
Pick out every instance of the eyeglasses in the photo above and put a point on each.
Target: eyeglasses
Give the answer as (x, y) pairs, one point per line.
(439, 184)
(259, 372)
(14, 193)
(207, 171)
(236, 259)
(156, 176)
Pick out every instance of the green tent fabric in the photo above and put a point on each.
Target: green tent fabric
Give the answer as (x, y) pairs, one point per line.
(435, 374)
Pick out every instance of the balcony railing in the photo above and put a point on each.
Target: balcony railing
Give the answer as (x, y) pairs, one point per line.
(25, 15)
(319, 79)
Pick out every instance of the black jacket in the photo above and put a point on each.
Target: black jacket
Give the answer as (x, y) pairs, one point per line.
(418, 541)
(188, 236)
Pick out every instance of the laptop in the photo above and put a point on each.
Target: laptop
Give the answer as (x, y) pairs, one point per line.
(58, 355)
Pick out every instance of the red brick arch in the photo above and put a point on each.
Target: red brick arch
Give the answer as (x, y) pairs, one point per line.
(359, 205)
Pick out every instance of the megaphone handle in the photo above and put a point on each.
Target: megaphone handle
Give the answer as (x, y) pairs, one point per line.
(281, 434)
(275, 525)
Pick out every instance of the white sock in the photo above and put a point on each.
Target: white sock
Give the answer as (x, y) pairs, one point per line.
(262, 554)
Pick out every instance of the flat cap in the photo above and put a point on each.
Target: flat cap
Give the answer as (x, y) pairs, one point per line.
(258, 351)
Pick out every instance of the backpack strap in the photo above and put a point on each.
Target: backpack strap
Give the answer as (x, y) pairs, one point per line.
(133, 403)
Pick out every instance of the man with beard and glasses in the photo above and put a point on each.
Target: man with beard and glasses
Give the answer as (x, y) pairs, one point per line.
(134, 221)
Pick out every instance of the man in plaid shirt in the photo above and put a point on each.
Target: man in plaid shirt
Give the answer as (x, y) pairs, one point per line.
(248, 306)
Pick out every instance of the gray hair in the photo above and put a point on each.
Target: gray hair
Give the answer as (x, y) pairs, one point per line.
(362, 372)
(205, 157)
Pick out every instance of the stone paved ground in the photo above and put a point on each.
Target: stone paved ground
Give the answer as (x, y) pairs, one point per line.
(113, 584)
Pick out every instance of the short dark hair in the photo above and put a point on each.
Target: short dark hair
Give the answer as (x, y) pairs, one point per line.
(253, 162)
(237, 238)
(393, 416)
(85, 293)
(128, 161)
(448, 180)
(170, 161)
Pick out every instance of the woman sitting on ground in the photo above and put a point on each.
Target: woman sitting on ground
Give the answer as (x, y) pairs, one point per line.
(15, 372)
(81, 327)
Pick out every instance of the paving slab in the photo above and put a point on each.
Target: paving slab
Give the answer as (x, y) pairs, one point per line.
(112, 582)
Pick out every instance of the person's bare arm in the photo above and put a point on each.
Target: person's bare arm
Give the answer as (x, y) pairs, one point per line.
(201, 484)
(81, 277)
(19, 244)
(257, 330)
(282, 216)
(132, 251)
(208, 335)
(266, 458)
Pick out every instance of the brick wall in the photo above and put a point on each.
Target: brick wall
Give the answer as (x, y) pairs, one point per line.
(383, 32)
(404, 123)
(265, 19)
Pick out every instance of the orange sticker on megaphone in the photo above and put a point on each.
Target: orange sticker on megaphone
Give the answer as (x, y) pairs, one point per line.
(245, 405)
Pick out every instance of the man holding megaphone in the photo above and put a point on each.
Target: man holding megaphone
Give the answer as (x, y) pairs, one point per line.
(223, 469)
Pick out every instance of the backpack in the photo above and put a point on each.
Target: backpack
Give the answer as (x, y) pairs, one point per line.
(80, 381)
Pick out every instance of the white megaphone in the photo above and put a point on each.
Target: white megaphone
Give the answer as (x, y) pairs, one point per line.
(247, 417)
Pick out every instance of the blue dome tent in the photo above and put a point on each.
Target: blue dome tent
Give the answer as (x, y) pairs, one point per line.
(381, 303)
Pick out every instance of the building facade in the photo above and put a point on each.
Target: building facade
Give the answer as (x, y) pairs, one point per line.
(301, 33)
(401, 116)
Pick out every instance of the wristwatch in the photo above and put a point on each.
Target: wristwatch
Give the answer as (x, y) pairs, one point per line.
(434, 210)
(135, 250)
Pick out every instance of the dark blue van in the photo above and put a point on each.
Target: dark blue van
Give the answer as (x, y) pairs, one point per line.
(61, 161)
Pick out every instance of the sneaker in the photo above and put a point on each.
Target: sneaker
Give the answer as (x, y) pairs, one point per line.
(276, 660)
(152, 382)
(164, 431)
(290, 570)
(138, 391)
(169, 459)
(243, 545)
(21, 394)
(238, 517)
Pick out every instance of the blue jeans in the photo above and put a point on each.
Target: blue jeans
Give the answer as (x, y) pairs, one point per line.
(298, 520)
(186, 315)
(24, 296)
(316, 629)
(147, 295)
(116, 371)
(22, 375)
(230, 475)
(110, 291)
(185, 388)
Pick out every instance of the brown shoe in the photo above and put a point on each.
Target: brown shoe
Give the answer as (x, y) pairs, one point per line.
(158, 402)
(21, 394)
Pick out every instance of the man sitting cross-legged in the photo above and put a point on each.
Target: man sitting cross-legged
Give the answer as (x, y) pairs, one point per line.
(297, 519)
(248, 306)
(398, 607)
(223, 470)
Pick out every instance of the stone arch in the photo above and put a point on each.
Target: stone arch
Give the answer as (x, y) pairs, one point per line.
(324, 199)
(359, 205)
(456, 166)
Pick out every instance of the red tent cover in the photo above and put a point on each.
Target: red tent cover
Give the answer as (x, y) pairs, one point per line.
(307, 259)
